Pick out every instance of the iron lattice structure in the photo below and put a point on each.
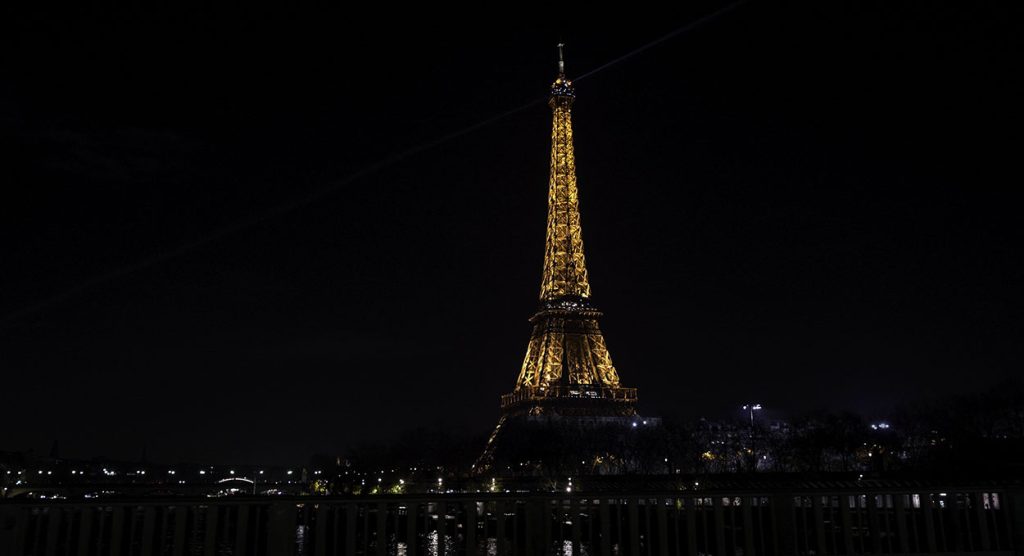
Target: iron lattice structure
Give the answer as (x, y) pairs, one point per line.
(567, 369)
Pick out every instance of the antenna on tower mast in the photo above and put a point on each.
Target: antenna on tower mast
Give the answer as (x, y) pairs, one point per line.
(561, 58)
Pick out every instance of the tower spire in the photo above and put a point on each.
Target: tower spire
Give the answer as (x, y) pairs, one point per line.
(565, 269)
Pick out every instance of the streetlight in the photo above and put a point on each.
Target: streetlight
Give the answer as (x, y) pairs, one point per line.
(752, 407)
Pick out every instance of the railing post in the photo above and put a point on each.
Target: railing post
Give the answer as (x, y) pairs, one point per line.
(574, 512)
(747, 503)
(847, 521)
(148, 521)
(876, 536)
(320, 535)
(953, 504)
(1015, 514)
(441, 507)
(974, 499)
(241, 528)
(900, 510)
(634, 526)
(10, 527)
(691, 526)
(210, 535)
(929, 520)
(382, 529)
(53, 518)
(545, 529)
(117, 531)
(531, 513)
(180, 515)
(782, 524)
(166, 516)
(606, 532)
(662, 521)
(469, 509)
(718, 513)
(516, 524)
(499, 510)
(411, 512)
(351, 510)
(819, 523)
(281, 528)
(85, 529)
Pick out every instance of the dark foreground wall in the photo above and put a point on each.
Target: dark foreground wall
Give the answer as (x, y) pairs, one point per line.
(818, 519)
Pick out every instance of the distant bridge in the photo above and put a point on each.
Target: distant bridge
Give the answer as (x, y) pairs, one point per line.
(818, 519)
(141, 489)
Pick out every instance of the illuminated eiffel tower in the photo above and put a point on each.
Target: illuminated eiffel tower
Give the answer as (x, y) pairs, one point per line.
(567, 374)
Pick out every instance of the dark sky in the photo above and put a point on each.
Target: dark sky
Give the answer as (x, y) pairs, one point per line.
(809, 205)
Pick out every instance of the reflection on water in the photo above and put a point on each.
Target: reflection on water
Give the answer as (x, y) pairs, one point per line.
(565, 549)
(433, 544)
(559, 548)
(395, 547)
(300, 539)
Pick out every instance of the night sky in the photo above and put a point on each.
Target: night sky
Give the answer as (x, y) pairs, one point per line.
(808, 205)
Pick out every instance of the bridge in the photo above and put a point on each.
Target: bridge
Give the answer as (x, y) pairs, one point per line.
(72, 490)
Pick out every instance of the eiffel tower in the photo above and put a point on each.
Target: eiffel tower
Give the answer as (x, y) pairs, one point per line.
(567, 374)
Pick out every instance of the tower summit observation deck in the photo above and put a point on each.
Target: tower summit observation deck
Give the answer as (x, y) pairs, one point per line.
(567, 369)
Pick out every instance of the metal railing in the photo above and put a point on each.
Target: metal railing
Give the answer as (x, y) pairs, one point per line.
(806, 522)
